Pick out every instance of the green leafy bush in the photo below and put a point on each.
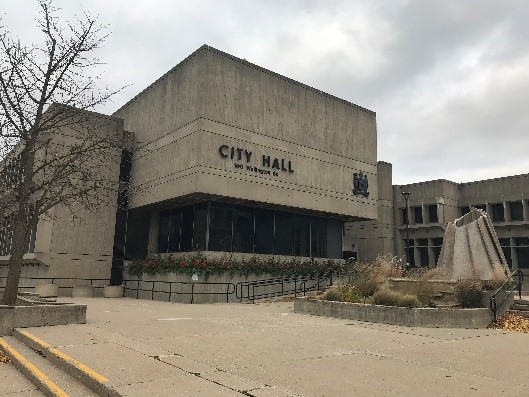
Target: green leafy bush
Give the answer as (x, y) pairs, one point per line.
(387, 297)
(468, 293)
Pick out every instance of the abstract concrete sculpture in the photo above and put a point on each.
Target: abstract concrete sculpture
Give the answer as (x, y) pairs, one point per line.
(471, 249)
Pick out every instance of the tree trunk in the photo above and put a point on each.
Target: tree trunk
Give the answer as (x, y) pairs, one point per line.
(18, 249)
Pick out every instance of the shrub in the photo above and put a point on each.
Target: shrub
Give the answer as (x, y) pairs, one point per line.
(468, 293)
(349, 293)
(387, 297)
(332, 295)
(369, 277)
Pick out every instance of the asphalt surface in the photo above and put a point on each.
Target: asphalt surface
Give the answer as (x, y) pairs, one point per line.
(148, 348)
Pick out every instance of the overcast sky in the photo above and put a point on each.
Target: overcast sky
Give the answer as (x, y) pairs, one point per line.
(449, 80)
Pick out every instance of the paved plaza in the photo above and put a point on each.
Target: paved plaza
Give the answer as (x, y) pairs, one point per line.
(148, 348)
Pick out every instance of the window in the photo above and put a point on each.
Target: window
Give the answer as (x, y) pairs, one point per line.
(417, 212)
(404, 216)
(521, 249)
(234, 228)
(220, 227)
(464, 210)
(243, 229)
(319, 238)
(497, 212)
(264, 231)
(422, 247)
(482, 207)
(186, 234)
(301, 235)
(516, 210)
(505, 244)
(283, 241)
(437, 245)
(432, 213)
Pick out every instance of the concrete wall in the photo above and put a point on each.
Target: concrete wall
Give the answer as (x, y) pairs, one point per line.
(76, 241)
(373, 238)
(213, 99)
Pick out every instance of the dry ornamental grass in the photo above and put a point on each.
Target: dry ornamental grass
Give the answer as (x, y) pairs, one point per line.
(512, 322)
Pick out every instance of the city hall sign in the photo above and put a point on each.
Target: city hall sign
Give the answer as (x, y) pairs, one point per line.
(268, 165)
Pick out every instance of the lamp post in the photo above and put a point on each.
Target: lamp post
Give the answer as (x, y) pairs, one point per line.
(407, 197)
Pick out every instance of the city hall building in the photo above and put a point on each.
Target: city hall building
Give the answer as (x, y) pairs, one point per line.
(229, 158)
(223, 157)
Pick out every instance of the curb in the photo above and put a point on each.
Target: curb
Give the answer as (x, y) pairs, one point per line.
(45, 384)
(90, 378)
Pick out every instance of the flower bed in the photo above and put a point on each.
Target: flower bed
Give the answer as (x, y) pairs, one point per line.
(198, 263)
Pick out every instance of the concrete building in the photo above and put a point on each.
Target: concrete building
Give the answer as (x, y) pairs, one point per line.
(432, 205)
(225, 156)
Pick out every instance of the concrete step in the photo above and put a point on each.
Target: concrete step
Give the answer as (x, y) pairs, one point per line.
(523, 301)
(520, 306)
(50, 379)
(92, 379)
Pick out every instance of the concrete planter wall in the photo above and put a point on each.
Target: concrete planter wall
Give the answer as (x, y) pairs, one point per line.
(113, 291)
(47, 290)
(40, 315)
(409, 317)
(214, 289)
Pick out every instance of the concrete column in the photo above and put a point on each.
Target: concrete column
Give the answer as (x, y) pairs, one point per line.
(506, 212)
(525, 204)
(154, 227)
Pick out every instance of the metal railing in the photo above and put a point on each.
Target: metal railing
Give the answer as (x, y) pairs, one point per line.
(177, 288)
(494, 305)
(288, 285)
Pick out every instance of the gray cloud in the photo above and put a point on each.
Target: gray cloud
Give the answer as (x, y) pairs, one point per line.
(449, 80)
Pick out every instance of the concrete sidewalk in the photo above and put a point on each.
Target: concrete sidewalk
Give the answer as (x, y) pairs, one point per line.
(149, 348)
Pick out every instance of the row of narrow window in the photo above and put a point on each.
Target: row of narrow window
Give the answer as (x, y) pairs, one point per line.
(233, 228)
(497, 211)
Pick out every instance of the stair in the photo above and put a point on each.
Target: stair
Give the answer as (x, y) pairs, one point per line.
(50, 379)
(521, 307)
(52, 371)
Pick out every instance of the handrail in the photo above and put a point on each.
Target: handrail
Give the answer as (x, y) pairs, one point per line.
(494, 306)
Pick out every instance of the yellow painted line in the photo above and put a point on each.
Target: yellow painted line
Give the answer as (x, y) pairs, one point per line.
(79, 365)
(35, 339)
(37, 372)
(66, 357)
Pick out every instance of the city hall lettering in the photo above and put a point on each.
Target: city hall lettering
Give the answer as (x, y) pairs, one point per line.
(269, 164)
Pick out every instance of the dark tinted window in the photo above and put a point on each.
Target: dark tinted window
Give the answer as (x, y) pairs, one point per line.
(163, 232)
(186, 240)
(404, 216)
(174, 231)
(264, 231)
(497, 212)
(516, 209)
(301, 235)
(283, 234)
(423, 252)
(437, 241)
(432, 213)
(521, 241)
(418, 214)
(243, 229)
(522, 253)
(464, 210)
(319, 238)
(422, 242)
(220, 227)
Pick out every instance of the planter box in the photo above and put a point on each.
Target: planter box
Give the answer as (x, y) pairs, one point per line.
(409, 317)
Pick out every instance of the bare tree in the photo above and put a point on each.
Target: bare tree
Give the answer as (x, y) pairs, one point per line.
(53, 150)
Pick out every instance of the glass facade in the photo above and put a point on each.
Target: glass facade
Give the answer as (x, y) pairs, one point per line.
(216, 226)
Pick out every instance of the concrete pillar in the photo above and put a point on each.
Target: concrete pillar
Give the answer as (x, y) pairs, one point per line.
(525, 204)
(154, 227)
(506, 212)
